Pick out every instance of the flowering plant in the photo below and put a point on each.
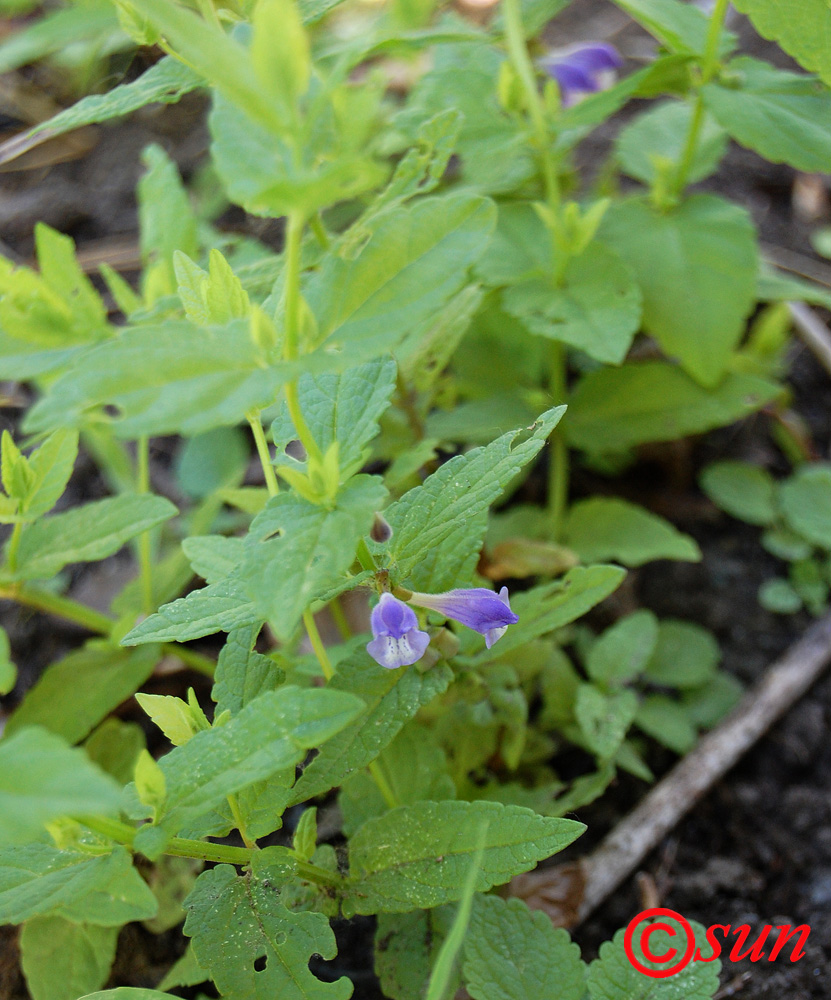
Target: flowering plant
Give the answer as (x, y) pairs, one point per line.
(447, 323)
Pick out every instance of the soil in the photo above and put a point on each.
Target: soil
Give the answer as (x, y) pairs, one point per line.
(757, 850)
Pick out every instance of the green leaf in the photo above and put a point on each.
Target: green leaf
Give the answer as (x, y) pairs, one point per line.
(597, 308)
(708, 704)
(105, 889)
(777, 114)
(438, 528)
(166, 221)
(552, 605)
(609, 528)
(513, 953)
(76, 693)
(88, 533)
(667, 722)
(248, 911)
(8, 671)
(685, 655)
(114, 747)
(297, 550)
(415, 261)
(745, 491)
(604, 719)
(406, 947)
(341, 408)
(696, 265)
(660, 134)
(280, 51)
(805, 500)
(185, 972)
(780, 597)
(623, 651)
(774, 286)
(269, 734)
(42, 779)
(167, 379)
(419, 855)
(221, 607)
(802, 29)
(391, 697)
(57, 30)
(127, 993)
(612, 976)
(212, 461)
(63, 960)
(51, 465)
(214, 557)
(618, 408)
(680, 26)
(414, 768)
(241, 674)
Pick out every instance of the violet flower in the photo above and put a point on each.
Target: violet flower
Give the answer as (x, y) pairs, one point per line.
(581, 69)
(397, 641)
(478, 608)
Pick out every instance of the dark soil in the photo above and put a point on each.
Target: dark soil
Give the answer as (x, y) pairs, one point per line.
(757, 850)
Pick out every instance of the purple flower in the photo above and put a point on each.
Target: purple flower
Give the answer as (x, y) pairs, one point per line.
(478, 608)
(397, 640)
(581, 69)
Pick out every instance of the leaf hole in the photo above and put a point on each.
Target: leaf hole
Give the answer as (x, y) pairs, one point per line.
(260, 963)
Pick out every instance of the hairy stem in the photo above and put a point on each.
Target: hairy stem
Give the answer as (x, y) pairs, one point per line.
(558, 458)
(317, 644)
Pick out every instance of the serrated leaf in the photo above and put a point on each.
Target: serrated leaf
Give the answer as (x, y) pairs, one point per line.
(88, 533)
(63, 960)
(167, 379)
(801, 27)
(617, 408)
(777, 114)
(612, 976)
(341, 408)
(661, 132)
(297, 550)
(552, 605)
(42, 779)
(696, 265)
(242, 674)
(213, 557)
(419, 856)
(608, 528)
(51, 465)
(235, 922)
(438, 528)
(271, 733)
(746, 491)
(391, 697)
(513, 953)
(220, 607)
(805, 500)
(105, 890)
(624, 649)
(415, 261)
(76, 693)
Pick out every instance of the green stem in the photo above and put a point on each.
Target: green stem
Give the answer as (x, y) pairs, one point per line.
(558, 469)
(709, 66)
(340, 619)
(383, 785)
(89, 618)
(319, 230)
(179, 847)
(144, 540)
(365, 557)
(240, 822)
(317, 645)
(262, 450)
(14, 545)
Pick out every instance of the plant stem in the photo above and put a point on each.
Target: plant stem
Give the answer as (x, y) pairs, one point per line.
(14, 545)
(317, 644)
(240, 822)
(558, 459)
(365, 557)
(179, 847)
(144, 540)
(262, 450)
(89, 618)
(340, 619)
(383, 785)
(709, 66)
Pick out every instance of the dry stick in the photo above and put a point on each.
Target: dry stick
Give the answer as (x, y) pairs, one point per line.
(644, 828)
(813, 331)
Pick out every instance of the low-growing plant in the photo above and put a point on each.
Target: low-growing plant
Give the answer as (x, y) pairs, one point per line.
(450, 303)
